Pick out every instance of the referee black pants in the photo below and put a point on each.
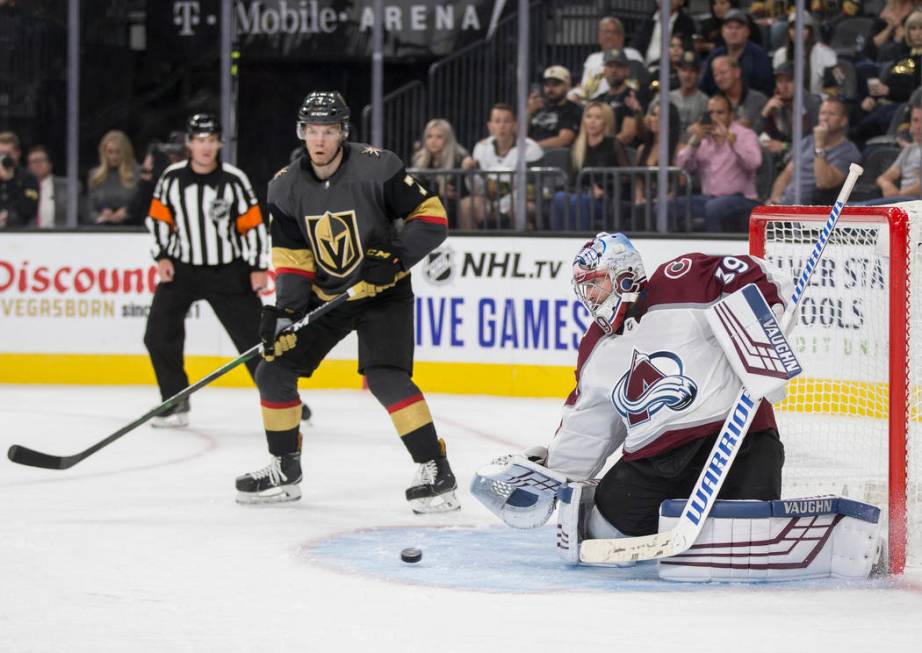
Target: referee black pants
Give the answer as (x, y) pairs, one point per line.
(227, 289)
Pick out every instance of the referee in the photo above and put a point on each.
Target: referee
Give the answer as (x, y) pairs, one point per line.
(209, 243)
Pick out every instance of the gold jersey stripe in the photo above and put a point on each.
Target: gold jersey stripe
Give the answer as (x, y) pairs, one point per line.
(281, 419)
(431, 207)
(406, 420)
(299, 259)
(325, 296)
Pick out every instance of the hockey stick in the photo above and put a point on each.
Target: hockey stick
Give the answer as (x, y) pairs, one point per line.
(723, 453)
(25, 456)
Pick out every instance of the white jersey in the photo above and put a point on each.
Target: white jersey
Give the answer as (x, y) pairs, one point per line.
(499, 186)
(664, 380)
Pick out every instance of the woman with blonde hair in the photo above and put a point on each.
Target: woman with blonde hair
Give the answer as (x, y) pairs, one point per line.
(595, 147)
(114, 181)
(441, 151)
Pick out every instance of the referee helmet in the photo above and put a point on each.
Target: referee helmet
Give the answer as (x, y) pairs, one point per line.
(200, 124)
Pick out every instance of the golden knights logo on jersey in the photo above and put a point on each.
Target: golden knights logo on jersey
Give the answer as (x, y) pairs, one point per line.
(336, 242)
(654, 381)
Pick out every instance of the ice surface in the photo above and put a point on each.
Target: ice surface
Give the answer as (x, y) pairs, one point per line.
(142, 548)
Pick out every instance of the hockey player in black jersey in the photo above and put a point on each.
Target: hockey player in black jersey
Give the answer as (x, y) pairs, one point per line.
(209, 243)
(333, 215)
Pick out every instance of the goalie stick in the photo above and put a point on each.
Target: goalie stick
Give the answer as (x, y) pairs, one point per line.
(723, 453)
(26, 456)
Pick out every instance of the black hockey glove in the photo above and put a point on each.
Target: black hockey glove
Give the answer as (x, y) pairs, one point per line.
(271, 322)
(380, 268)
(379, 272)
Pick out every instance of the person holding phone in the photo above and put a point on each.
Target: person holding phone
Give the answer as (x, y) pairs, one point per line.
(18, 188)
(726, 156)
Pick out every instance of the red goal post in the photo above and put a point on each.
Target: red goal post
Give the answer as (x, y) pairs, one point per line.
(854, 423)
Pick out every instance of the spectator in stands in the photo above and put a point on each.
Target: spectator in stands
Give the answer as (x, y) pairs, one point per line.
(755, 66)
(709, 35)
(746, 102)
(895, 85)
(648, 37)
(155, 162)
(765, 13)
(825, 157)
(778, 113)
(18, 188)
(688, 98)
(52, 190)
(820, 56)
(611, 37)
(112, 183)
(889, 31)
(677, 47)
(900, 181)
(726, 157)
(595, 147)
(556, 122)
(441, 151)
(622, 98)
(499, 153)
(648, 155)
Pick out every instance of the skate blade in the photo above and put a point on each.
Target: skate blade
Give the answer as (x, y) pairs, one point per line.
(275, 495)
(177, 421)
(445, 502)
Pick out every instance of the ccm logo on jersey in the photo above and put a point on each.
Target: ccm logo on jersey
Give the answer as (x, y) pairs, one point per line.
(655, 381)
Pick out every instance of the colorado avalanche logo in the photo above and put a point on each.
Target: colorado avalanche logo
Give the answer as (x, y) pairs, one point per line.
(653, 382)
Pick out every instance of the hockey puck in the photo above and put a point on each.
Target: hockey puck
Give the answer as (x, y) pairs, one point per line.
(411, 555)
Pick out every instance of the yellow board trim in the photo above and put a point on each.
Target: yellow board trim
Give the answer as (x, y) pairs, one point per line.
(135, 369)
(804, 395)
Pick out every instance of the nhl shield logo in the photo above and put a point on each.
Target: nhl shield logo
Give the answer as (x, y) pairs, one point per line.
(655, 381)
(336, 242)
(219, 210)
(438, 266)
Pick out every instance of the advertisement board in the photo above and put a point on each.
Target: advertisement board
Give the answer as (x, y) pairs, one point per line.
(494, 315)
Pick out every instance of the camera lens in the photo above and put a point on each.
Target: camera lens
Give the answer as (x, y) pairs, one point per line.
(6, 161)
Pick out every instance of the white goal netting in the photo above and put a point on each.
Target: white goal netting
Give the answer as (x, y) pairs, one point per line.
(836, 421)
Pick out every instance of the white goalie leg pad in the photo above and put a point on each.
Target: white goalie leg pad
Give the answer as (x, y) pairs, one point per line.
(579, 519)
(765, 541)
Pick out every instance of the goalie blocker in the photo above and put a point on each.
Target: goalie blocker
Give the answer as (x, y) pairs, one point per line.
(749, 541)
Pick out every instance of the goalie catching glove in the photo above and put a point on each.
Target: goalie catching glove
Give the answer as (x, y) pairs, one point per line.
(272, 323)
(380, 271)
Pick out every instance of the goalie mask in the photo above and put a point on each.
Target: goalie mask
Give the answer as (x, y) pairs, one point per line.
(608, 276)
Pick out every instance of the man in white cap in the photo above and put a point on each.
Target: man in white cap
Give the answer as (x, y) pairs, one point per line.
(556, 122)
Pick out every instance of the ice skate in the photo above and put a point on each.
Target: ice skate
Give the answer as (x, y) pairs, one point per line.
(176, 417)
(434, 486)
(277, 482)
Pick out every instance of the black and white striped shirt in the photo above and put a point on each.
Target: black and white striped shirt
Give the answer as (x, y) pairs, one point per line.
(209, 219)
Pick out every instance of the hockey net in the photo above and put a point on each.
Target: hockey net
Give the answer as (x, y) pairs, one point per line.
(852, 424)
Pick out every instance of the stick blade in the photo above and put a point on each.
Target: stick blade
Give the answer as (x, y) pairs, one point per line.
(26, 456)
(631, 549)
